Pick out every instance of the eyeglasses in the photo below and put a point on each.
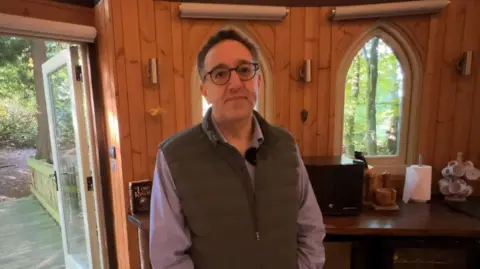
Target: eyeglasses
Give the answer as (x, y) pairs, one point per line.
(221, 75)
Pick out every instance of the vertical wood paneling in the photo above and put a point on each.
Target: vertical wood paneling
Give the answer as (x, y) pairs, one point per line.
(465, 84)
(448, 87)
(474, 136)
(297, 48)
(416, 28)
(148, 47)
(178, 69)
(50, 10)
(324, 86)
(310, 100)
(165, 58)
(131, 40)
(281, 73)
(123, 136)
(106, 17)
(132, 31)
(431, 83)
(188, 68)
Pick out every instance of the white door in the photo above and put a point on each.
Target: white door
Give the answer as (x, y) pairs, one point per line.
(72, 160)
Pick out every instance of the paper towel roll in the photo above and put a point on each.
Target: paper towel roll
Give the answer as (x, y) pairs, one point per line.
(418, 183)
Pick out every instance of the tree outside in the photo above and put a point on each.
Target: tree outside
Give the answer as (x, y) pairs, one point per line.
(373, 101)
(23, 117)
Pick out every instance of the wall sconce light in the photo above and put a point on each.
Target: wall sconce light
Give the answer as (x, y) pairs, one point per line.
(306, 71)
(464, 65)
(388, 9)
(232, 12)
(152, 70)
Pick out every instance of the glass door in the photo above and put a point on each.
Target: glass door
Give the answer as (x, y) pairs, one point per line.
(71, 150)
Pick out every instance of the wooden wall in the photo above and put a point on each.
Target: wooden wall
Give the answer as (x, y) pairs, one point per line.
(48, 10)
(132, 31)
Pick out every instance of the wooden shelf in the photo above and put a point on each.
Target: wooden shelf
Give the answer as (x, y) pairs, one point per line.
(430, 219)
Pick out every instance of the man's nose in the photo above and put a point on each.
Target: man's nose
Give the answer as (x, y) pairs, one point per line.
(234, 79)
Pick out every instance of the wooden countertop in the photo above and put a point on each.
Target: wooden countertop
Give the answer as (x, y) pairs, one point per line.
(432, 219)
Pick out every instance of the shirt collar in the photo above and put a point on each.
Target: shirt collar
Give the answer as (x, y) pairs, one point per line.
(257, 137)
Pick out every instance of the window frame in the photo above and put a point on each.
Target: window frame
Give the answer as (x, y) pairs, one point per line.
(412, 69)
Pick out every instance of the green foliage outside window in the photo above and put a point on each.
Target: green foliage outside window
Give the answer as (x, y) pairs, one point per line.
(373, 101)
(18, 106)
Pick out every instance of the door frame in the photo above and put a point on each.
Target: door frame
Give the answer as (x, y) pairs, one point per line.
(80, 90)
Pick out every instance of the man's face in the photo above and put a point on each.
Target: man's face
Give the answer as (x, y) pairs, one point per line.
(233, 98)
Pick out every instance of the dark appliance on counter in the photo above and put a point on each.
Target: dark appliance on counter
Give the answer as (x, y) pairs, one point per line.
(337, 182)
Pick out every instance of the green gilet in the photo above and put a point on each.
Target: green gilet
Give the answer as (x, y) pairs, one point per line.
(234, 225)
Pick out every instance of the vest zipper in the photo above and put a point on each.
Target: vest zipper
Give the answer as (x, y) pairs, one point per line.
(255, 218)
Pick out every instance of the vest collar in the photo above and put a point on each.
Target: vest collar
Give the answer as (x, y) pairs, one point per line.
(261, 129)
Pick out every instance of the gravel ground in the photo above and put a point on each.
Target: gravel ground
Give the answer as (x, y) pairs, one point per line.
(14, 173)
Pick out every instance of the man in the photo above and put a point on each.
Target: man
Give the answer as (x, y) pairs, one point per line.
(232, 192)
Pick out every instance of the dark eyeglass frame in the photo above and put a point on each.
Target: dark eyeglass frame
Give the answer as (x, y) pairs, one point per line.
(256, 67)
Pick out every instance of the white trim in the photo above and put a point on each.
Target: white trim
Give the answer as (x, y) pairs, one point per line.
(388, 9)
(413, 69)
(46, 29)
(233, 12)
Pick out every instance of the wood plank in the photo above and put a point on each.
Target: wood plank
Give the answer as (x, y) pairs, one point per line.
(444, 152)
(178, 69)
(310, 97)
(297, 48)
(281, 73)
(124, 163)
(474, 141)
(265, 35)
(324, 86)
(195, 33)
(431, 84)
(465, 85)
(189, 66)
(299, 3)
(416, 28)
(148, 45)
(48, 10)
(135, 97)
(106, 69)
(413, 219)
(165, 56)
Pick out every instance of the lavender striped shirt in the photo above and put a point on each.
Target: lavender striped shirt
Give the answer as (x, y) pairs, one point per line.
(170, 238)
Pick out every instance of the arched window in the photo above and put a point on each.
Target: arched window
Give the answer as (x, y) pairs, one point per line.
(377, 97)
(265, 99)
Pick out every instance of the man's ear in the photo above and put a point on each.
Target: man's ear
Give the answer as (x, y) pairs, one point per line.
(204, 92)
(259, 80)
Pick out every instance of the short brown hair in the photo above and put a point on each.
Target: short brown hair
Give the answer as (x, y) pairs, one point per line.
(222, 35)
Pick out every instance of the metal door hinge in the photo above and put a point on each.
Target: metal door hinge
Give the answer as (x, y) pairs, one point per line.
(54, 176)
(90, 183)
(78, 73)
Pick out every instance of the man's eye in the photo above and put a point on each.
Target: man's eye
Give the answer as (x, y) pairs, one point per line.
(244, 70)
(220, 73)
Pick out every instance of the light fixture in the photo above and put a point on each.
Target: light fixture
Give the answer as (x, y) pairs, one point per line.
(388, 9)
(306, 71)
(464, 65)
(233, 12)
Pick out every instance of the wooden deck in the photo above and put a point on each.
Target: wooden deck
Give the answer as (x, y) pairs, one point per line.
(29, 237)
